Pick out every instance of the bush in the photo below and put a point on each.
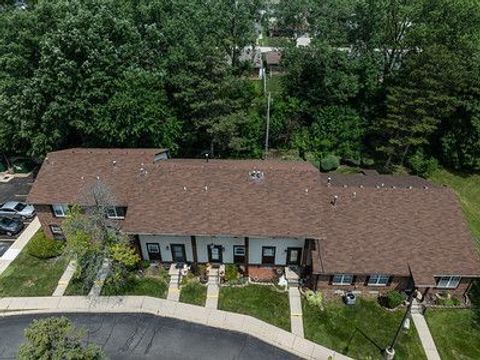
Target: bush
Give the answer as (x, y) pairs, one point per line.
(3, 167)
(448, 301)
(314, 298)
(422, 165)
(231, 272)
(367, 162)
(23, 166)
(394, 299)
(329, 163)
(44, 248)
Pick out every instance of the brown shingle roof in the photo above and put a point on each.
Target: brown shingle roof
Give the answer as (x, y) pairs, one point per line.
(395, 231)
(406, 225)
(189, 197)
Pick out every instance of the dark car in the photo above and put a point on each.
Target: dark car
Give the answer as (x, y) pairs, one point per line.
(10, 226)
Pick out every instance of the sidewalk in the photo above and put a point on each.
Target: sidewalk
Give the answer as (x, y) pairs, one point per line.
(104, 271)
(425, 337)
(174, 285)
(296, 313)
(191, 313)
(19, 244)
(212, 289)
(65, 279)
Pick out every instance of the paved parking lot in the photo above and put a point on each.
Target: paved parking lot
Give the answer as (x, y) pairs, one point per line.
(142, 336)
(16, 189)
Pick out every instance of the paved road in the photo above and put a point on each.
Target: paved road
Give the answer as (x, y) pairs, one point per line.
(142, 336)
(15, 189)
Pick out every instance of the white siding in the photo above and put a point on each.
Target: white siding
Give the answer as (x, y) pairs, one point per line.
(281, 245)
(164, 242)
(226, 242)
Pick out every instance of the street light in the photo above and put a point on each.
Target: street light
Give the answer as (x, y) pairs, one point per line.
(389, 352)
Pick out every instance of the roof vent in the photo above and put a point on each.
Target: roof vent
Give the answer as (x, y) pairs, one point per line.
(114, 162)
(256, 175)
(410, 187)
(335, 200)
(329, 181)
(206, 188)
(361, 186)
(184, 188)
(98, 177)
(425, 187)
(354, 194)
(306, 190)
(345, 186)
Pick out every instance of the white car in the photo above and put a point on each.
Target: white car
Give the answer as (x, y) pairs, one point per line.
(15, 209)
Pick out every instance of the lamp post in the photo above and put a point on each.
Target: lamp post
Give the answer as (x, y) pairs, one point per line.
(389, 352)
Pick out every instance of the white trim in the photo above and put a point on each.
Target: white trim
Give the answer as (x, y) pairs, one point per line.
(62, 210)
(343, 278)
(115, 210)
(378, 277)
(452, 281)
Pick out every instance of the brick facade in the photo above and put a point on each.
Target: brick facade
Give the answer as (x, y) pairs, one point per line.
(46, 217)
(400, 283)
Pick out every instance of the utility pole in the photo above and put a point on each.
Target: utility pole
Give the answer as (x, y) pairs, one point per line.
(389, 352)
(268, 125)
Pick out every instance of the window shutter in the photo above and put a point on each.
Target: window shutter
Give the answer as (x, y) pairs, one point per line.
(367, 279)
(354, 279)
(390, 279)
(330, 280)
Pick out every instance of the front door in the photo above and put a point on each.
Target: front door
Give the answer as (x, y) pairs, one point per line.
(268, 255)
(294, 256)
(153, 250)
(178, 253)
(215, 253)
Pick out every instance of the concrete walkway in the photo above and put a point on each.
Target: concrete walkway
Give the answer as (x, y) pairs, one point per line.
(212, 289)
(96, 289)
(191, 313)
(174, 286)
(425, 337)
(19, 244)
(296, 313)
(65, 279)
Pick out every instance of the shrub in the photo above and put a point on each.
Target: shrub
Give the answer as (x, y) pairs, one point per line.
(367, 162)
(3, 167)
(44, 248)
(231, 272)
(329, 163)
(422, 165)
(125, 255)
(314, 298)
(187, 278)
(448, 301)
(394, 299)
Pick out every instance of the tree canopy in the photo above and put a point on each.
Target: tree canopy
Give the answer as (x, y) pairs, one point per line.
(381, 79)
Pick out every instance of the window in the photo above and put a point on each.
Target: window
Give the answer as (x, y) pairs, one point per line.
(448, 282)
(115, 212)
(378, 280)
(57, 232)
(239, 250)
(268, 255)
(342, 279)
(60, 210)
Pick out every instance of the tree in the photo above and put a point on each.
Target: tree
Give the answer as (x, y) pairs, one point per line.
(92, 237)
(55, 338)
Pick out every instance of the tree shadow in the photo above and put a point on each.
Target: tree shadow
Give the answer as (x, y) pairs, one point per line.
(475, 299)
(369, 339)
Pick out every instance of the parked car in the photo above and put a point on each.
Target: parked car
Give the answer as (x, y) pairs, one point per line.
(10, 226)
(15, 209)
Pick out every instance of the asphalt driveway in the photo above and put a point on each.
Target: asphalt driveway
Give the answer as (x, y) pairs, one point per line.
(16, 189)
(143, 336)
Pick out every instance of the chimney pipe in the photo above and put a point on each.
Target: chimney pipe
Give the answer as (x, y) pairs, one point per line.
(334, 201)
(206, 157)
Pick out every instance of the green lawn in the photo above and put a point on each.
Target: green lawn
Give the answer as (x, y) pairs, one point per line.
(31, 276)
(76, 287)
(456, 333)
(193, 293)
(467, 187)
(360, 331)
(263, 302)
(136, 285)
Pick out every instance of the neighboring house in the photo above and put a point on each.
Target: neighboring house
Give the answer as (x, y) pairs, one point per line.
(350, 232)
(273, 60)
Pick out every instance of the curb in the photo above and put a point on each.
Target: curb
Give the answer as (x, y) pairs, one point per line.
(196, 314)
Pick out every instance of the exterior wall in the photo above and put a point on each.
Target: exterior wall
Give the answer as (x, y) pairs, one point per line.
(458, 291)
(226, 242)
(165, 242)
(45, 215)
(360, 284)
(281, 245)
(399, 283)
